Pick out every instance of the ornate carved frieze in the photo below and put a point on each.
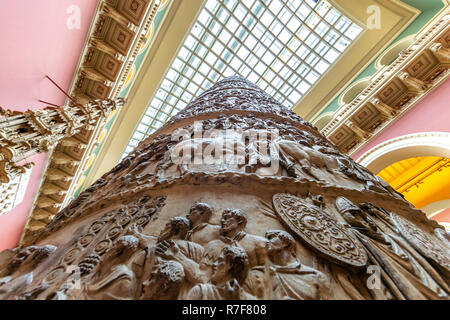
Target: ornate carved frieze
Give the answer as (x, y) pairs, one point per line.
(289, 217)
(27, 133)
(13, 191)
(109, 52)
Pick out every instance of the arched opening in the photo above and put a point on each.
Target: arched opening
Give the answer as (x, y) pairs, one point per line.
(418, 166)
(353, 91)
(323, 120)
(421, 180)
(391, 53)
(421, 144)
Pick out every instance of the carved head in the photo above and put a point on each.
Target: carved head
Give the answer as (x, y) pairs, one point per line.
(232, 263)
(164, 282)
(30, 256)
(124, 247)
(176, 228)
(199, 212)
(347, 208)
(279, 241)
(232, 220)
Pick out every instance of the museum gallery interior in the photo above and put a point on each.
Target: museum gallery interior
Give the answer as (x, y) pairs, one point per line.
(225, 150)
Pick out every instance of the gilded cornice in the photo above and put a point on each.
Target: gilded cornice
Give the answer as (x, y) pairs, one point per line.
(395, 88)
(118, 31)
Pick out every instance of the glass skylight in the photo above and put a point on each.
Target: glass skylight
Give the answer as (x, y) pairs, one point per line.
(284, 46)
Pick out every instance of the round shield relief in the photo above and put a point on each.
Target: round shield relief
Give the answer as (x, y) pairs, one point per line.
(320, 231)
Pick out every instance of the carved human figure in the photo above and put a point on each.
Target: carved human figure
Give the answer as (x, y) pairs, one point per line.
(201, 231)
(289, 278)
(229, 272)
(431, 283)
(18, 274)
(399, 268)
(172, 246)
(300, 158)
(218, 152)
(338, 163)
(232, 232)
(118, 273)
(175, 229)
(165, 281)
(262, 156)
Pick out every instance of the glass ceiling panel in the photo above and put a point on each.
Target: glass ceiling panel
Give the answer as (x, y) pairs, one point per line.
(284, 46)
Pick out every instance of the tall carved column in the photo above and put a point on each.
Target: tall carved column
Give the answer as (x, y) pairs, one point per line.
(236, 197)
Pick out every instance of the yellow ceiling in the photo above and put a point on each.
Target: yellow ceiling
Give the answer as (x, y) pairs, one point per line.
(422, 180)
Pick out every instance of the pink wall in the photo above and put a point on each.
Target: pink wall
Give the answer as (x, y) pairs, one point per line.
(12, 223)
(35, 42)
(432, 114)
(443, 216)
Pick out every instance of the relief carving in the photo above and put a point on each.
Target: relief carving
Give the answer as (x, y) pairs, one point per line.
(405, 274)
(287, 217)
(320, 231)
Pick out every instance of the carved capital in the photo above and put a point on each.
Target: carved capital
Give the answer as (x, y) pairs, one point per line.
(440, 52)
(383, 108)
(414, 85)
(361, 133)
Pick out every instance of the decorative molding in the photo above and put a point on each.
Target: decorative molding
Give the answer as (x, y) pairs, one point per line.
(435, 208)
(25, 134)
(12, 193)
(117, 32)
(353, 90)
(322, 120)
(394, 89)
(412, 145)
(391, 53)
(150, 31)
(178, 18)
(397, 16)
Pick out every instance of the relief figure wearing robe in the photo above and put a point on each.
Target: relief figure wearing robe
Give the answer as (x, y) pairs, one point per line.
(290, 279)
(117, 278)
(228, 274)
(400, 270)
